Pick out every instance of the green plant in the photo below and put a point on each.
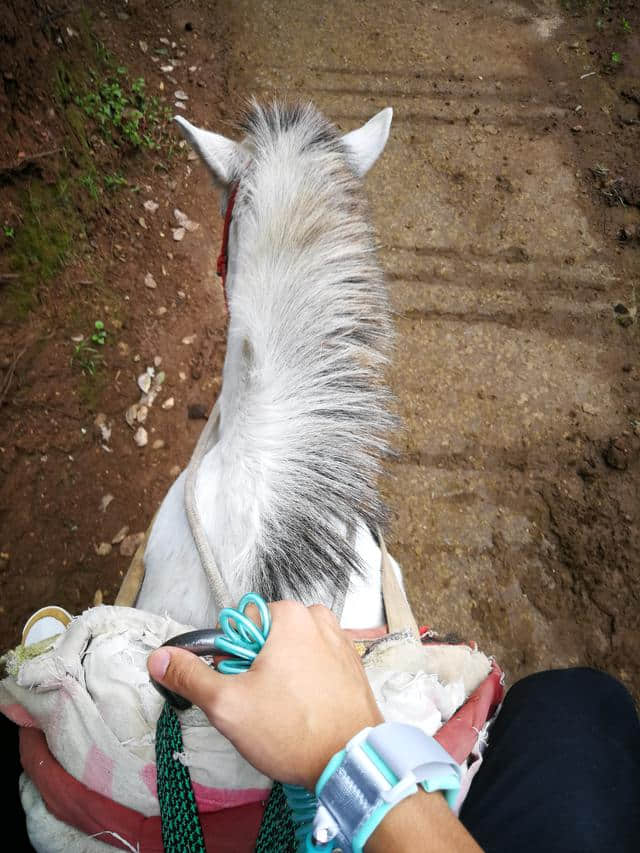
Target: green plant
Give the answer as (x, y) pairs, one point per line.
(87, 358)
(616, 59)
(122, 110)
(100, 334)
(112, 182)
(626, 26)
(8, 232)
(89, 183)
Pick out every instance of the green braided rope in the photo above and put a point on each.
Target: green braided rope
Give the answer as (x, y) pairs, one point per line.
(181, 830)
(277, 829)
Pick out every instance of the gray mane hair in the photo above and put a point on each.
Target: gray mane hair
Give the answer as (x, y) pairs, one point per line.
(310, 302)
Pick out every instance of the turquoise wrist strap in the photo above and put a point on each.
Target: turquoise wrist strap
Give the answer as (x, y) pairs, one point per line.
(379, 768)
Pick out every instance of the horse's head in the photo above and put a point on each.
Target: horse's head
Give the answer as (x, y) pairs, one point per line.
(226, 159)
(310, 143)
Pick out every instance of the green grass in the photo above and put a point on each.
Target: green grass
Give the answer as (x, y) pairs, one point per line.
(123, 112)
(41, 245)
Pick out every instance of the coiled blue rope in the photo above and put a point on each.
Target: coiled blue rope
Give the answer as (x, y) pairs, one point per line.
(243, 639)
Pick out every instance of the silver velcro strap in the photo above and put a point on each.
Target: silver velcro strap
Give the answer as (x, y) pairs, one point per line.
(380, 767)
(351, 794)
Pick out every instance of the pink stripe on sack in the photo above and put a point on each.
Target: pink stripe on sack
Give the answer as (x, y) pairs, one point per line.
(216, 799)
(98, 772)
(210, 800)
(19, 715)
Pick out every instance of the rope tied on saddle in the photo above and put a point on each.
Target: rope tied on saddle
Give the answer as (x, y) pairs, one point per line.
(241, 639)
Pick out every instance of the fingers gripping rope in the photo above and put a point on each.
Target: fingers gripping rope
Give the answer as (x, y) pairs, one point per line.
(290, 810)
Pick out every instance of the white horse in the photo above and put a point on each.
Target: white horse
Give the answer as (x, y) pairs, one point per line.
(287, 496)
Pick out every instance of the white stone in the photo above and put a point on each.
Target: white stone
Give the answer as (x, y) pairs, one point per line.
(141, 438)
(120, 535)
(144, 382)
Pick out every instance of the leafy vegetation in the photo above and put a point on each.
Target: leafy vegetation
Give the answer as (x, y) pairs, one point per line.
(122, 110)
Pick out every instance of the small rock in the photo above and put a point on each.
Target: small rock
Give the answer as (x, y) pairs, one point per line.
(616, 455)
(103, 549)
(131, 415)
(197, 411)
(123, 349)
(192, 155)
(120, 535)
(164, 40)
(189, 339)
(178, 234)
(151, 206)
(158, 444)
(105, 501)
(141, 414)
(149, 281)
(181, 294)
(144, 382)
(77, 339)
(168, 403)
(577, 128)
(97, 598)
(179, 105)
(588, 409)
(181, 95)
(182, 375)
(102, 427)
(184, 222)
(157, 361)
(175, 471)
(142, 222)
(166, 68)
(144, 47)
(140, 437)
(161, 311)
(131, 543)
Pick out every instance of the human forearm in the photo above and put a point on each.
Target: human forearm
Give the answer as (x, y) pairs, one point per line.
(423, 822)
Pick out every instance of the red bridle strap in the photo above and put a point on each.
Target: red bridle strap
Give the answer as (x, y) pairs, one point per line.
(223, 257)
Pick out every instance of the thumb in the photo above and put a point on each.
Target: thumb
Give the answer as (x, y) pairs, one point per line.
(184, 673)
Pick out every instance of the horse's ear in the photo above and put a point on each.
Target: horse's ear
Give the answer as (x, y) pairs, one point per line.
(220, 154)
(366, 143)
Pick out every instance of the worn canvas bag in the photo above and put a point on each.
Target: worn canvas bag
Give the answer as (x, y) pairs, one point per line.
(87, 714)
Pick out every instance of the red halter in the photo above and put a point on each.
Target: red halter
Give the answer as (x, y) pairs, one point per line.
(223, 257)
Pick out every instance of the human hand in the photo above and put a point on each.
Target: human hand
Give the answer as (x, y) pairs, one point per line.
(303, 698)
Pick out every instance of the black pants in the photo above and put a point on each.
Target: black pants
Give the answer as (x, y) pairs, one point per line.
(561, 774)
(562, 770)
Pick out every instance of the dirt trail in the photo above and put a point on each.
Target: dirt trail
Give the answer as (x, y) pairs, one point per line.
(514, 499)
(511, 526)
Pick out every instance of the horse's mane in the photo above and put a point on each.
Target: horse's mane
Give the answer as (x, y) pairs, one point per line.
(311, 308)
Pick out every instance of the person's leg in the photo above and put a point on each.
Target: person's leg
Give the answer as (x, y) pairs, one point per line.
(14, 821)
(562, 769)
